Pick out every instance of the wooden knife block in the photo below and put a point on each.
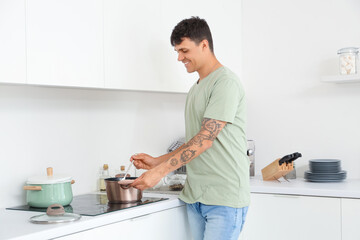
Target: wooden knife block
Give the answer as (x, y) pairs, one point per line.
(274, 171)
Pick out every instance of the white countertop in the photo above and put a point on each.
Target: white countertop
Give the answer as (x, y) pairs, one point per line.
(349, 188)
(14, 224)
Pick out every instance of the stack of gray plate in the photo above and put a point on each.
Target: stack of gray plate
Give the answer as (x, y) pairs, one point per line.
(325, 170)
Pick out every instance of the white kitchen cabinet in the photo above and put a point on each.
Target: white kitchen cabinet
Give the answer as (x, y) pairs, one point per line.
(292, 217)
(350, 219)
(137, 49)
(65, 42)
(131, 44)
(168, 224)
(108, 43)
(12, 41)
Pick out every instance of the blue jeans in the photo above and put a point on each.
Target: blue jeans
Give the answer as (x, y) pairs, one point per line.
(209, 222)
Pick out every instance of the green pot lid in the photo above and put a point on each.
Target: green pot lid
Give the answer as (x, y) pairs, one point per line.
(49, 179)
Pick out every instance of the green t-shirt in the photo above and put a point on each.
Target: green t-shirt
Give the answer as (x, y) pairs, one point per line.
(220, 175)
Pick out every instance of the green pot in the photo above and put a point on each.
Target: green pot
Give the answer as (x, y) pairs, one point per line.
(43, 192)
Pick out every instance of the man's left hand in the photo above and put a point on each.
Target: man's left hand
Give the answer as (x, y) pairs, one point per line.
(147, 180)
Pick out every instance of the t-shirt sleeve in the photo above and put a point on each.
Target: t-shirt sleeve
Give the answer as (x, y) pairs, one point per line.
(223, 101)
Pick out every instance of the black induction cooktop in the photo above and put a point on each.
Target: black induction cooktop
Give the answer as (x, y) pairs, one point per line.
(92, 205)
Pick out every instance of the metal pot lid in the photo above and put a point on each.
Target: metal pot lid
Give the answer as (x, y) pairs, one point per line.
(48, 179)
(55, 214)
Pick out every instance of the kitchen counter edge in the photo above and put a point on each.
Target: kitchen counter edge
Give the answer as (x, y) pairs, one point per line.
(349, 188)
(18, 226)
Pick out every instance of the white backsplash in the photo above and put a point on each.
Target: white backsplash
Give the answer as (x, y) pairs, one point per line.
(77, 130)
(287, 48)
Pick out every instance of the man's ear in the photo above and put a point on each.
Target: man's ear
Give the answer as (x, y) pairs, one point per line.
(204, 44)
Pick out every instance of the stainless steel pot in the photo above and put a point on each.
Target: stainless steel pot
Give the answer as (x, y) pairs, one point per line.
(118, 192)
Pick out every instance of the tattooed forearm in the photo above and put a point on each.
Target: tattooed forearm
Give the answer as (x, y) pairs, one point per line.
(210, 128)
(185, 156)
(197, 140)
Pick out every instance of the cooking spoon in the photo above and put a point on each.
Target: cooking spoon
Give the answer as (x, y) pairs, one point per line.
(127, 170)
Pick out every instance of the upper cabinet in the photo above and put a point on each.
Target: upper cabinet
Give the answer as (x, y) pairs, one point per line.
(109, 43)
(131, 30)
(137, 51)
(65, 42)
(12, 41)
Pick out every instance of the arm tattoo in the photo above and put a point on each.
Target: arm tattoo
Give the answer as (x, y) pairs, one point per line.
(187, 155)
(173, 162)
(210, 128)
(197, 140)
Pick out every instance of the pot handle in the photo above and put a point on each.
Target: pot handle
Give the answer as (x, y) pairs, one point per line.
(123, 186)
(33, 188)
(55, 210)
(72, 181)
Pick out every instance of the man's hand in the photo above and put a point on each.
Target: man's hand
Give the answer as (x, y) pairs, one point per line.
(144, 161)
(147, 179)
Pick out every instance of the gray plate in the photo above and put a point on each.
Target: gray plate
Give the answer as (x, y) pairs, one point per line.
(325, 180)
(325, 177)
(322, 161)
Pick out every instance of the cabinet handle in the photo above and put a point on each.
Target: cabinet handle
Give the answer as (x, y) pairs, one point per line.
(140, 217)
(285, 195)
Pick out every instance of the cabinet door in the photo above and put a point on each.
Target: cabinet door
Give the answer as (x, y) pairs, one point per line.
(138, 53)
(292, 217)
(65, 42)
(350, 219)
(168, 224)
(131, 45)
(12, 41)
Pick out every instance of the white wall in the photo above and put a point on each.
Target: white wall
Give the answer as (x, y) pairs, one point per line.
(77, 130)
(287, 47)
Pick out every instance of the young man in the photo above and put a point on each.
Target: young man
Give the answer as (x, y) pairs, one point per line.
(216, 191)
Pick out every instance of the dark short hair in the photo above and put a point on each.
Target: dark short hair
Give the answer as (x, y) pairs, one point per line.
(194, 28)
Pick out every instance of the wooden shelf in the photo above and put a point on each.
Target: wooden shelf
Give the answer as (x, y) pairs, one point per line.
(341, 78)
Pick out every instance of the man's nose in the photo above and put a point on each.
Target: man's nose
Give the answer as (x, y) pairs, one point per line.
(180, 57)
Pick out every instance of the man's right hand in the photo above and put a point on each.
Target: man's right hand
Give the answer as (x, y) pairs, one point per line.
(144, 161)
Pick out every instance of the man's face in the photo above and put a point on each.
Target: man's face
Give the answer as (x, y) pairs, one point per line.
(190, 54)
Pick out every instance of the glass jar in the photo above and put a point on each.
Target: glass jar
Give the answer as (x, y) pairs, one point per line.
(348, 60)
(104, 173)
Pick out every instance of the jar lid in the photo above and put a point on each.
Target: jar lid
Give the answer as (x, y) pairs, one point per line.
(348, 50)
(48, 179)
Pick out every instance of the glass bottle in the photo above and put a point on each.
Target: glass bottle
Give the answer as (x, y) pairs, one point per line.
(122, 172)
(103, 175)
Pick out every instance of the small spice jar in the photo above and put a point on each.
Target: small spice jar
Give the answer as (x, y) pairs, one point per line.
(348, 60)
